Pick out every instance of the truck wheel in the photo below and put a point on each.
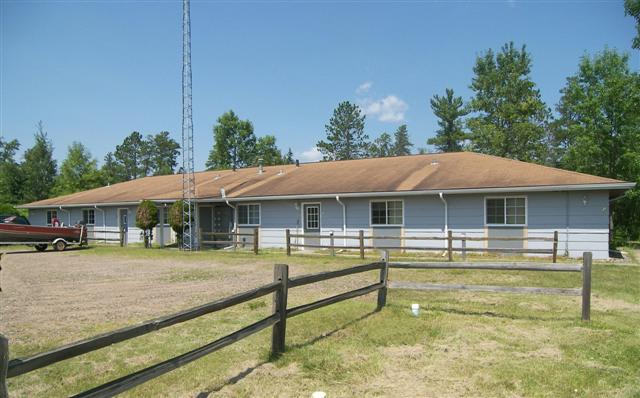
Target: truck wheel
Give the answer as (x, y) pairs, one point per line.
(60, 245)
(41, 248)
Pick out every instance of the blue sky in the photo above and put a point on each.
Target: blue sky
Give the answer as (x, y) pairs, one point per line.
(94, 71)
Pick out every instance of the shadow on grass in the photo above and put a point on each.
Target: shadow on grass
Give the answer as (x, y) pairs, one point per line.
(240, 376)
(491, 314)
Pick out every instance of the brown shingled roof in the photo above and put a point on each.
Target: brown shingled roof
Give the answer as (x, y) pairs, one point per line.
(444, 171)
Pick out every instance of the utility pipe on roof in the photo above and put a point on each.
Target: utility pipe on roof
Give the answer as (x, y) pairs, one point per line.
(235, 213)
(446, 213)
(68, 214)
(344, 220)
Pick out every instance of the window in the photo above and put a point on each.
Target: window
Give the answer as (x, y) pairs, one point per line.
(388, 212)
(51, 214)
(89, 216)
(506, 211)
(165, 215)
(312, 217)
(249, 214)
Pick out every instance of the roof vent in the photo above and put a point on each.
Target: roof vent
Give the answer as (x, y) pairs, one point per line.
(434, 163)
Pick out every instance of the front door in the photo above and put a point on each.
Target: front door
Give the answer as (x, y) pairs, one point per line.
(222, 223)
(123, 220)
(311, 219)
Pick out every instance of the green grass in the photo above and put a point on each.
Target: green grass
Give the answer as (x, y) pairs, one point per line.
(461, 344)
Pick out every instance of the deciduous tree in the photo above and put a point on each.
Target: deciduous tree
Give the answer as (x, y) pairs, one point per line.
(10, 174)
(78, 172)
(234, 143)
(267, 150)
(382, 146)
(146, 220)
(38, 168)
(632, 7)
(599, 129)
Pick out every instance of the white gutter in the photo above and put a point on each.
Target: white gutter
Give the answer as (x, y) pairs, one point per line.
(446, 213)
(235, 212)
(344, 219)
(539, 188)
(104, 223)
(68, 214)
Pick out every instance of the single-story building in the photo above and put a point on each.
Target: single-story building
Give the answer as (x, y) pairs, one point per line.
(417, 195)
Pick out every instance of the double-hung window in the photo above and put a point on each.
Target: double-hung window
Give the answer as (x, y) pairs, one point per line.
(387, 212)
(249, 214)
(506, 211)
(89, 216)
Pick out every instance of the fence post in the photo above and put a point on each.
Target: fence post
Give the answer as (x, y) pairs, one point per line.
(464, 246)
(384, 275)
(200, 237)
(361, 238)
(288, 239)
(333, 249)
(255, 241)
(121, 237)
(450, 245)
(555, 246)
(587, 258)
(4, 366)
(280, 274)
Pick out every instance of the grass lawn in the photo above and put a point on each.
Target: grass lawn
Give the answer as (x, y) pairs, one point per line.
(461, 344)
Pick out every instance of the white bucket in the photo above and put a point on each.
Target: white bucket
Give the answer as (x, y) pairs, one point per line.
(415, 309)
(319, 394)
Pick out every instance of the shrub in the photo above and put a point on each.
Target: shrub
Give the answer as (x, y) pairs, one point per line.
(146, 219)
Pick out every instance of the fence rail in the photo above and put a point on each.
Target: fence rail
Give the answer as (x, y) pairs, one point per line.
(585, 269)
(234, 238)
(449, 239)
(279, 288)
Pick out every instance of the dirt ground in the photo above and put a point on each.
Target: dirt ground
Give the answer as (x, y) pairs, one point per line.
(66, 294)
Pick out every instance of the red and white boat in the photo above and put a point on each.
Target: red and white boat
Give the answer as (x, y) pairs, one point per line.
(18, 230)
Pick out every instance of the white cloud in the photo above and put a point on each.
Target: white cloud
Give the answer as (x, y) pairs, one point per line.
(310, 155)
(387, 109)
(364, 88)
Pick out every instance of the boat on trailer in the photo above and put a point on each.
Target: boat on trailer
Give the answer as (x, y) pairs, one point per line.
(16, 230)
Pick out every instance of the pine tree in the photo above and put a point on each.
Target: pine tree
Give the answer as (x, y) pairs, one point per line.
(632, 7)
(402, 145)
(164, 153)
(345, 134)
(510, 117)
(449, 110)
(130, 155)
(288, 158)
(112, 171)
(39, 168)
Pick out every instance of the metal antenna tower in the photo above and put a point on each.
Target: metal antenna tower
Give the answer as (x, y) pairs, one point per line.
(188, 177)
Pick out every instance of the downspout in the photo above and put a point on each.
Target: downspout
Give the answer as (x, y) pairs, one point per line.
(104, 225)
(446, 213)
(344, 220)
(68, 214)
(235, 215)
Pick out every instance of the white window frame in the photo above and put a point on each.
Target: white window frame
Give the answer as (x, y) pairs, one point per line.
(94, 216)
(526, 211)
(259, 214)
(304, 215)
(49, 219)
(166, 209)
(386, 201)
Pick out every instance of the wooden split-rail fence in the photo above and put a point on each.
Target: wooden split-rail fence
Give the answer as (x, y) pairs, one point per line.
(230, 239)
(279, 289)
(450, 239)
